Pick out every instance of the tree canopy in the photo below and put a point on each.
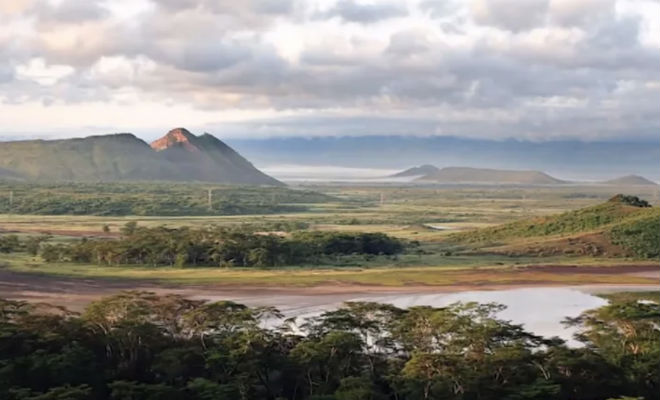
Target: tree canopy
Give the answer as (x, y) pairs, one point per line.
(142, 346)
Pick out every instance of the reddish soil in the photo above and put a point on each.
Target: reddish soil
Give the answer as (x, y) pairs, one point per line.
(595, 244)
(75, 293)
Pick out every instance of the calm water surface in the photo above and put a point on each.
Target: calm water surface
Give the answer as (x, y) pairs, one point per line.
(540, 309)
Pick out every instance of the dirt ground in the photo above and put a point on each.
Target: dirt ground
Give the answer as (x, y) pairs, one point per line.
(75, 293)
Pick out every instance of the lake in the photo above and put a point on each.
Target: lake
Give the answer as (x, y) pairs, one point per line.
(540, 310)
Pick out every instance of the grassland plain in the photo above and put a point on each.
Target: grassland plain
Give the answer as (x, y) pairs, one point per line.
(425, 214)
(471, 273)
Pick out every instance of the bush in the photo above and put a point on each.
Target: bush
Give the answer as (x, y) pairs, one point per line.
(220, 247)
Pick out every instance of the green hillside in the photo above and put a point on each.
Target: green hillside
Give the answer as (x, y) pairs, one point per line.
(94, 158)
(124, 157)
(641, 236)
(154, 199)
(624, 221)
(206, 158)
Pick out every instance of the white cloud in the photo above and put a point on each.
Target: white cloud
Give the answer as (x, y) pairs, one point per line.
(47, 75)
(496, 68)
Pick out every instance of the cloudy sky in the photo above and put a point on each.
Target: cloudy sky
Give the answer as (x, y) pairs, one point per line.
(526, 69)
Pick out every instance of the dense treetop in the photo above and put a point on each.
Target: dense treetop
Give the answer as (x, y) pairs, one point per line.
(140, 346)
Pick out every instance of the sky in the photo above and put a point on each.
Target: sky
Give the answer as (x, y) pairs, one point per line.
(538, 70)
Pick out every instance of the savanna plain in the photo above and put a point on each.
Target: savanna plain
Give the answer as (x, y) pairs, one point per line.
(312, 236)
(144, 291)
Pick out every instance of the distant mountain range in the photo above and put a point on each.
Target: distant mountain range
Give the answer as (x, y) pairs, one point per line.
(422, 170)
(177, 156)
(483, 175)
(183, 156)
(629, 180)
(430, 173)
(566, 159)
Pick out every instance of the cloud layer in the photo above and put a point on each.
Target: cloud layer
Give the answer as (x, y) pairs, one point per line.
(528, 69)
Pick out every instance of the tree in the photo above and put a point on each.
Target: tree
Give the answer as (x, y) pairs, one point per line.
(33, 243)
(142, 346)
(9, 243)
(81, 392)
(625, 333)
(327, 359)
(129, 228)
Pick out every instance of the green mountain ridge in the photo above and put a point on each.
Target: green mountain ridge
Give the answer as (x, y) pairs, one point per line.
(124, 157)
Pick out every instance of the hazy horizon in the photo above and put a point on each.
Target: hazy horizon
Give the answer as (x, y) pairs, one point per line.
(370, 157)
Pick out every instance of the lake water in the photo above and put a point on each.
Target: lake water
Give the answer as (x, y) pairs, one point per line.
(540, 310)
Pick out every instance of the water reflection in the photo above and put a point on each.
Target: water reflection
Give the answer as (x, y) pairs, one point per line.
(539, 310)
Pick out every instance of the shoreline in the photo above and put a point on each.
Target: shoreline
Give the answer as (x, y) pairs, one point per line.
(76, 293)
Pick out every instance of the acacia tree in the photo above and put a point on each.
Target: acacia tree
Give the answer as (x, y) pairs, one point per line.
(626, 334)
(142, 346)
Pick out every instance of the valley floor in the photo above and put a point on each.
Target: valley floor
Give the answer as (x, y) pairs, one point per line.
(426, 215)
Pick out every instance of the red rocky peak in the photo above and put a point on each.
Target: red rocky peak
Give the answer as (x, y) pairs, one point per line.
(176, 137)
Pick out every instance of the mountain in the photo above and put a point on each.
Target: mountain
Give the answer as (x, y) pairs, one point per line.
(208, 159)
(8, 174)
(621, 227)
(632, 180)
(178, 156)
(494, 176)
(422, 170)
(94, 158)
(573, 159)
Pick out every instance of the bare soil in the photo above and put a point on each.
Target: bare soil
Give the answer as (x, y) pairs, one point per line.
(75, 293)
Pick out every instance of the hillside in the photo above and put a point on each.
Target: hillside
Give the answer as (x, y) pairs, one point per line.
(422, 170)
(124, 157)
(152, 198)
(632, 180)
(491, 176)
(622, 226)
(207, 158)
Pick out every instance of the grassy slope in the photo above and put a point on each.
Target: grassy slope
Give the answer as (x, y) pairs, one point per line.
(634, 229)
(640, 235)
(633, 296)
(124, 157)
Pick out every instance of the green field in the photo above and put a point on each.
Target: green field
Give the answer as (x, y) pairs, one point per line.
(428, 219)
